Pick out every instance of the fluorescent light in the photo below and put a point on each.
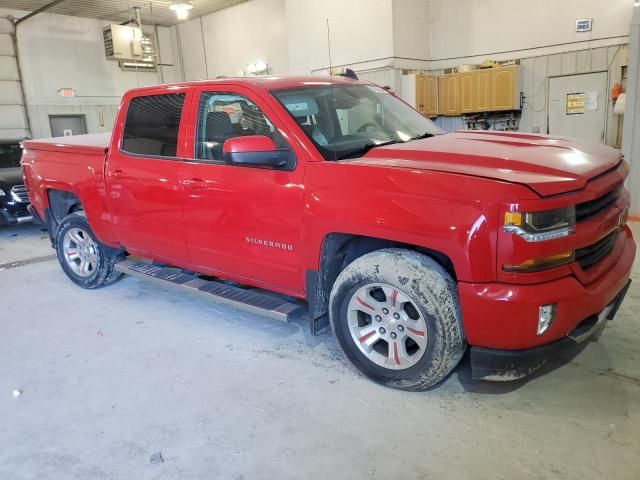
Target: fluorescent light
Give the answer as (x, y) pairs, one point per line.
(181, 8)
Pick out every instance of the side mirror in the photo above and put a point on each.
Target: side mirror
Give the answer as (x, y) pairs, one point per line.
(256, 150)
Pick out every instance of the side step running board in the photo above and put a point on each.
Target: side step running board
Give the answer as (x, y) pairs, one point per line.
(247, 300)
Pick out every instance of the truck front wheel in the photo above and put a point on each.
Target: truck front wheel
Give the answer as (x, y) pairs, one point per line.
(83, 258)
(396, 315)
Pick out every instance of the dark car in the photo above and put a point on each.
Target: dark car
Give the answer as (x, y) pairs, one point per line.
(13, 194)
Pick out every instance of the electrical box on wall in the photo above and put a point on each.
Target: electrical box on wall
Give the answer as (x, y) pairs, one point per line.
(122, 42)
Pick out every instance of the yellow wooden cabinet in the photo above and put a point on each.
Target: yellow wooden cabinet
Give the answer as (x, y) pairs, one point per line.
(505, 88)
(427, 94)
(482, 90)
(468, 102)
(449, 94)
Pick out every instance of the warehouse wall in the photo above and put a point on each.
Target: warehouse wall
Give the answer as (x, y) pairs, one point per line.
(411, 29)
(58, 51)
(249, 31)
(256, 30)
(361, 33)
(537, 70)
(467, 31)
(290, 35)
(12, 116)
(535, 77)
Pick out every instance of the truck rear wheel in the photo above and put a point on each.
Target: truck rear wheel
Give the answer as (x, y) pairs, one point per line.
(83, 258)
(396, 316)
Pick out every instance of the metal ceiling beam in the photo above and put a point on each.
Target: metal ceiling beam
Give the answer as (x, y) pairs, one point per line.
(37, 11)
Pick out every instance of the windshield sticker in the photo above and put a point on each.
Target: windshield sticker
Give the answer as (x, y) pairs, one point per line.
(297, 107)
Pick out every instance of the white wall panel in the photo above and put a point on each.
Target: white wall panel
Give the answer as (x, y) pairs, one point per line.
(264, 38)
(361, 31)
(192, 45)
(10, 93)
(168, 55)
(8, 70)
(490, 28)
(6, 45)
(11, 117)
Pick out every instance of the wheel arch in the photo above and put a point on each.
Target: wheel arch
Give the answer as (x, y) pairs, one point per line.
(339, 250)
(60, 203)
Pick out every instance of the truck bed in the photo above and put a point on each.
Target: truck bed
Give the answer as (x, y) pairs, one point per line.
(91, 143)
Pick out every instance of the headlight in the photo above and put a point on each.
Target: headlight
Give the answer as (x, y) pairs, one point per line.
(540, 226)
(2, 194)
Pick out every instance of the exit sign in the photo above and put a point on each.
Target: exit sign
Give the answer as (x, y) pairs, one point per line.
(67, 92)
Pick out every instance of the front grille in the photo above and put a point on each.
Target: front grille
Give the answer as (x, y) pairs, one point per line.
(20, 192)
(592, 254)
(21, 211)
(591, 208)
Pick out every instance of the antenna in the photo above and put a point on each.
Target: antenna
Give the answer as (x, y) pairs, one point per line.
(329, 45)
(333, 98)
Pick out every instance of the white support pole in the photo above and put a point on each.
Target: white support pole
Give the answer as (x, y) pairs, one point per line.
(631, 130)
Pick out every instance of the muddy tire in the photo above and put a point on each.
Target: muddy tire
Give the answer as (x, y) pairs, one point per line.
(87, 262)
(397, 318)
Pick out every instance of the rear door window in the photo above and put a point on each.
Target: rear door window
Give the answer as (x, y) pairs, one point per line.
(152, 125)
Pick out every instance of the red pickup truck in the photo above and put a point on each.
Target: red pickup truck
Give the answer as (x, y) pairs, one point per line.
(333, 194)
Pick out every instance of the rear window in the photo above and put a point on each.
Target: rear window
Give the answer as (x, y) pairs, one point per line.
(152, 124)
(10, 154)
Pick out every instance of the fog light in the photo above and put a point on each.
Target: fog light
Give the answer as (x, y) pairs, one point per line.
(546, 316)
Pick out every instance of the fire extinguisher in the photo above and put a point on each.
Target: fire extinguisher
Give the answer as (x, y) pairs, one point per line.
(616, 90)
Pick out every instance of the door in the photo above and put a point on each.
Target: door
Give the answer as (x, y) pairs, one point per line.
(505, 85)
(67, 125)
(432, 95)
(467, 92)
(427, 94)
(482, 84)
(449, 94)
(421, 93)
(578, 106)
(143, 176)
(243, 222)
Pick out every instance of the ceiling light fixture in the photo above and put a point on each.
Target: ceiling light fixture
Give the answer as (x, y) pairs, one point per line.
(181, 8)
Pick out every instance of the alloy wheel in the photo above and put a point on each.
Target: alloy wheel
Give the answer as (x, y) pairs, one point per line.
(387, 326)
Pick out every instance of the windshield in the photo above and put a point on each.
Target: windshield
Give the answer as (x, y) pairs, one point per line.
(10, 154)
(346, 121)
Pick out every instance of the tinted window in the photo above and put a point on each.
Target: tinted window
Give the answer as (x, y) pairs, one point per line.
(152, 124)
(10, 154)
(226, 115)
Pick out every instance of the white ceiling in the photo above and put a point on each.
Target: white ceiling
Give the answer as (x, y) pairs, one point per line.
(118, 11)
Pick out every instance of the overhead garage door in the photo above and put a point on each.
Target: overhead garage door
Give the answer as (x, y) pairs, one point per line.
(12, 117)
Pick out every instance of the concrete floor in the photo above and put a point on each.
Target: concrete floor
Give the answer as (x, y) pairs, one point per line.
(111, 377)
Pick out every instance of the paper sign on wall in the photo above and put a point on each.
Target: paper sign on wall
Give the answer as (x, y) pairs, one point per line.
(591, 101)
(575, 103)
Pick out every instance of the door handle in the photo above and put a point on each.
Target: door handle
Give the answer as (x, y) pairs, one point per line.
(118, 173)
(195, 184)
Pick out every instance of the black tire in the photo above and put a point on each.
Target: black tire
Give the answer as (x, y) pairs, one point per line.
(105, 272)
(430, 288)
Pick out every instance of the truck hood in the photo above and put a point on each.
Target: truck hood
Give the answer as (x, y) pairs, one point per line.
(10, 177)
(548, 165)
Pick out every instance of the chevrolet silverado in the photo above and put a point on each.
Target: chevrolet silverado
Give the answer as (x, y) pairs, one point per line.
(335, 196)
